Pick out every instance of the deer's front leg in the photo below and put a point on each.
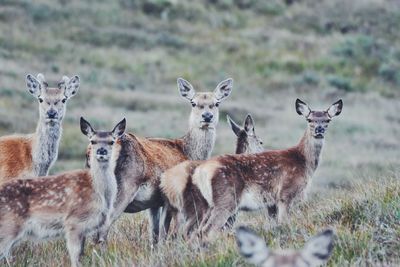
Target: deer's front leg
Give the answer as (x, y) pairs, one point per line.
(75, 241)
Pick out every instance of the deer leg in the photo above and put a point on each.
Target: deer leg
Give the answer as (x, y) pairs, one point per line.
(154, 216)
(217, 220)
(75, 240)
(282, 212)
(165, 221)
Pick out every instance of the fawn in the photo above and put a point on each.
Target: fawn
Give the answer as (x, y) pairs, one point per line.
(315, 252)
(230, 183)
(73, 204)
(142, 160)
(34, 154)
(184, 201)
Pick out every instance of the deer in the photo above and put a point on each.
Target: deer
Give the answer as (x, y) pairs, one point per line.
(73, 204)
(33, 155)
(229, 183)
(315, 251)
(183, 199)
(143, 160)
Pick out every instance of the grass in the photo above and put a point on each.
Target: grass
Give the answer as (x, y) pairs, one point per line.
(129, 54)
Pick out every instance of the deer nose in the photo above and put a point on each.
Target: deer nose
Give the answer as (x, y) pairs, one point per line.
(319, 130)
(51, 114)
(207, 117)
(101, 151)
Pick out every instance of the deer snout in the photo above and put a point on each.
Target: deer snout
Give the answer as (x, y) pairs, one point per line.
(101, 151)
(319, 130)
(51, 114)
(207, 116)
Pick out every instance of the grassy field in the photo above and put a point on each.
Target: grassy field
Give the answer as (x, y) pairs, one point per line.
(129, 53)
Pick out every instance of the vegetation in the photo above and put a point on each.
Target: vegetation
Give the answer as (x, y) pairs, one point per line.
(129, 53)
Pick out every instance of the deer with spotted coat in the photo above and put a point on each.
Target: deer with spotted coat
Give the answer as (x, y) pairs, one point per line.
(230, 183)
(33, 154)
(183, 199)
(74, 204)
(315, 252)
(142, 160)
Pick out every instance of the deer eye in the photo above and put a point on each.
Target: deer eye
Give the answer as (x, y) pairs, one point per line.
(40, 100)
(193, 104)
(217, 104)
(211, 106)
(93, 142)
(111, 143)
(327, 121)
(309, 120)
(201, 106)
(261, 142)
(64, 100)
(56, 103)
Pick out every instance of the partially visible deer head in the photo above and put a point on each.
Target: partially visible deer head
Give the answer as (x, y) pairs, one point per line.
(205, 111)
(248, 141)
(52, 100)
(318, 120)
(315, 252)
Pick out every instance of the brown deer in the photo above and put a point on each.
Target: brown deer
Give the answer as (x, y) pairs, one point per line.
(183, 199)
(315, 252)
(73, 204)
(249, 182)
(142, 160)
(34, 154)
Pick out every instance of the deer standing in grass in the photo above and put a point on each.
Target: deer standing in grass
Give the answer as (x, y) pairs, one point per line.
(249, 182)
(72, 204)
(34, 154)
(142, 160)
(183, 199)
(315, 252)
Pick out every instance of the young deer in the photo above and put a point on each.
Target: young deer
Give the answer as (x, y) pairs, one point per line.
(184, 201)
(142, 160)
(249, 182)
(315, 252)
(33, 155)
(73, 204)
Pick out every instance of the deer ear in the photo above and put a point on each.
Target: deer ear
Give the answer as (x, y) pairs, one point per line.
(249, 124)
(302, 108)
(319, 248)
(34, 85)
(223, 89)
(251, 246)
(86, 128)
(71, 86)
(185, 89)
(119, 129)
(235, 128)
(335, 109)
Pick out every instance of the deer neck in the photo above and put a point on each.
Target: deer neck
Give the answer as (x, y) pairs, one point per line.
(311, 148)
(103, 182)
(45, 146)
(199, 143)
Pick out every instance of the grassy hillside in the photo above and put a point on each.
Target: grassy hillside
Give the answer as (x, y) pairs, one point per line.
(129, 53)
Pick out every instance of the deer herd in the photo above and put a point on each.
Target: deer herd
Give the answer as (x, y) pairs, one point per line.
(176, 180)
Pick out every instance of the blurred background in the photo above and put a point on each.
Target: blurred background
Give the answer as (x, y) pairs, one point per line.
(129, 54)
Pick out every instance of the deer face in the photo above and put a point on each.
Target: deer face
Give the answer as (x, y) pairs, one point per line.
(318, 120)
(205, 105)
(52, 100)
(314, 253)
(248, 141)
(102, 142)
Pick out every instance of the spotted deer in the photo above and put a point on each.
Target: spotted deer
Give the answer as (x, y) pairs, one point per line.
(142, 160)
(315, 251)
(73, 204)
(249, 182)
(183, 199)
(34, 154)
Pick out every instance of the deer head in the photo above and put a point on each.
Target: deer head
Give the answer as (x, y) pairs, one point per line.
(314, 253)
(205, 105)
(318, 120)
(102, 142)
(248, 142)
(52, 100)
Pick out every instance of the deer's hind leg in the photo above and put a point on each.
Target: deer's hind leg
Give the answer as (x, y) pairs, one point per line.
(75, 245)
(10, 234)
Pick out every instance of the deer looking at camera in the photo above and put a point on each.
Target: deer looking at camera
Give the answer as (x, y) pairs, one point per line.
(315, 252)
(249, 182)
(142, 160)
(183, 199)
(34, 154)
(73, 204)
